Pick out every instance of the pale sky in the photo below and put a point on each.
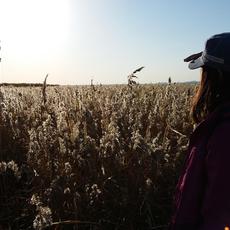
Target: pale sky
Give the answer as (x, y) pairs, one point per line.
(105, 40)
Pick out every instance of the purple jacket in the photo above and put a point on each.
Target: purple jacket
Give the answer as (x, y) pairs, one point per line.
(202, 197)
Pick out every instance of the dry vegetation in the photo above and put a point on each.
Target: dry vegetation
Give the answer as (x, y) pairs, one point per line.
(83, 158)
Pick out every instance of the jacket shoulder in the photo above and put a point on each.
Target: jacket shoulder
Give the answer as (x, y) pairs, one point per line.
(220, 136)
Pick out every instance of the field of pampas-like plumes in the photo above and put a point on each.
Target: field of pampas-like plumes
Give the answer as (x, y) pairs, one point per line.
(91, 158)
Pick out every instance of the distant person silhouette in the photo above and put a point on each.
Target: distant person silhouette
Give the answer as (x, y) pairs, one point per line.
(169, 80)
(202, 196)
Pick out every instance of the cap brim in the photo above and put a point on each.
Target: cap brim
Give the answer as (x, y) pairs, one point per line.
(196, 60)
(196, 63)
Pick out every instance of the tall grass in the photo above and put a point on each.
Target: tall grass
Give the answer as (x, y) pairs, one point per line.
(83, 158)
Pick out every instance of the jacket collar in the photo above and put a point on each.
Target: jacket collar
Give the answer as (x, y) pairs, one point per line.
(205, 127)
(223, 111)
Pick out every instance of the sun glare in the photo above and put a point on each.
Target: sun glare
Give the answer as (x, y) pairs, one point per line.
(34, 28)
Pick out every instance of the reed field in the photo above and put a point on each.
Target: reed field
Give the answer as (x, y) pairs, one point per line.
(91, 157)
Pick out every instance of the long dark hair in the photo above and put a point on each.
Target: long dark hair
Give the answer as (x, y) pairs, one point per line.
(213, 90)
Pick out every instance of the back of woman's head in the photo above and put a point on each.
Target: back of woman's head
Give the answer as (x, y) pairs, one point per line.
(214, 89)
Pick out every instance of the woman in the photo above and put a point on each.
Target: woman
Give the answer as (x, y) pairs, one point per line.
(202, 198)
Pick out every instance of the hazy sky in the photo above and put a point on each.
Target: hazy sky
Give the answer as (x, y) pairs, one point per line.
(77, 40)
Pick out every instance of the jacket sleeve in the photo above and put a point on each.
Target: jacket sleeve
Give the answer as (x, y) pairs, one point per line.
(216, 202)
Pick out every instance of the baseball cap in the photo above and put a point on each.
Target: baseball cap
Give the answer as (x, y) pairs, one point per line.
(216, 53)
